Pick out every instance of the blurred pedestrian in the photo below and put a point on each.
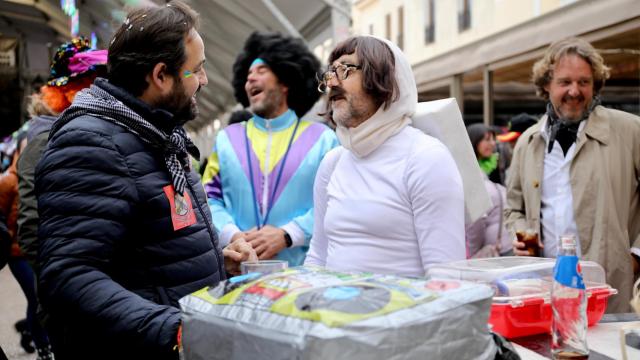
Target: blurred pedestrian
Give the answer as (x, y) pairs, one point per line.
(483, 141)
(74, 67)
(5, 242)
(576, 171)
(390, 199)
(259, 178)
(487, 237)
(517, 125)
(507, 141)
(30, 329)
(124, 228)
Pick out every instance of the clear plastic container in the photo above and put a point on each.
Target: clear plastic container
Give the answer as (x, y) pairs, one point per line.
(521, 301)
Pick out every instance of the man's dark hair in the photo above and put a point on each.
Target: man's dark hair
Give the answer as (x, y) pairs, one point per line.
(378, 67)
(149, 35)
(289, 59)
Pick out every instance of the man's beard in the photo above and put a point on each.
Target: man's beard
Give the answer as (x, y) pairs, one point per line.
(350, 114)
(179, 104)
(267, 108)
(566, 118)
(344, 116)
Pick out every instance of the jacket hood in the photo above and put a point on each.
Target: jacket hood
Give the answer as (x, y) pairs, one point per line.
(373, 132)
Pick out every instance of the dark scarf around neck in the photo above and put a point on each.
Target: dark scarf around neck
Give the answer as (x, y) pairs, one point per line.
(563, 130)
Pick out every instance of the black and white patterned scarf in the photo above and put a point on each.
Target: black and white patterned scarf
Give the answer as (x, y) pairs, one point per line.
(563, 130)
(97, 102)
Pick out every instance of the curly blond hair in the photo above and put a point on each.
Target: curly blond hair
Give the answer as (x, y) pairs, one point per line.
(38, 107)
(543, 69)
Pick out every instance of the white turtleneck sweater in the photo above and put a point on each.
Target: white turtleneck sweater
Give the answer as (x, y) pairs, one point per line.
(390, 200)
(397, 210)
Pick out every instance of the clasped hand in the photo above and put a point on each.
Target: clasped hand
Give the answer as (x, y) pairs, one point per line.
(235, 253)
(267, 241)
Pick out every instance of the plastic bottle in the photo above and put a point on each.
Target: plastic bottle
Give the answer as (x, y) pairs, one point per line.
(569, 304)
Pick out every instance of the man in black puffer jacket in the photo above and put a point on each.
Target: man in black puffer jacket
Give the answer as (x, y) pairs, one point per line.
(125, 230)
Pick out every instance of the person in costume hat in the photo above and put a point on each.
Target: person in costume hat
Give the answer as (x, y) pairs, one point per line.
(259, 178)
(517, 125)
(74, 67)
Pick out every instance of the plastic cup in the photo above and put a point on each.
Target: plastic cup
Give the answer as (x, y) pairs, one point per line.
(529, 236)
(263, 266)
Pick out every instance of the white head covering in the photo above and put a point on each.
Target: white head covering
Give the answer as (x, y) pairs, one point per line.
(366, 137)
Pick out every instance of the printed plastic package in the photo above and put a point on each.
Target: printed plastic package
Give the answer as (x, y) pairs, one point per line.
(312, 313)
(522, 285)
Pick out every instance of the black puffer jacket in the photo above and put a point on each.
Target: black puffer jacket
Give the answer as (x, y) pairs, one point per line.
(112, 266)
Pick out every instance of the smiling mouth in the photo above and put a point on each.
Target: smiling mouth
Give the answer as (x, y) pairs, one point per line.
(573, 99)
(336, 97)
(255, 92)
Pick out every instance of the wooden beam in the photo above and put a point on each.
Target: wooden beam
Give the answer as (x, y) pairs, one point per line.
(456, 90)
(435, 84)
(487, 96)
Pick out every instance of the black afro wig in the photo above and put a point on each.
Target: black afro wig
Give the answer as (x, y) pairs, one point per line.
(289, 59)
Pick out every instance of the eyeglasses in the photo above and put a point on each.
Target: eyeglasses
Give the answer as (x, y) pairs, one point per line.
(341, 71)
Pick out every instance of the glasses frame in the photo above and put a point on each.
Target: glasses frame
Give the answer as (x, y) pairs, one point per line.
(334, 71)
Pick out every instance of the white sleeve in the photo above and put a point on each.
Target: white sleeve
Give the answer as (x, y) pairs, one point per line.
(296, 233)
(437, 201)
(227, 233)
(317, 254)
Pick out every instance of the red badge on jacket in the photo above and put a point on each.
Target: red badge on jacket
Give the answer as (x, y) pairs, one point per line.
(182, 214)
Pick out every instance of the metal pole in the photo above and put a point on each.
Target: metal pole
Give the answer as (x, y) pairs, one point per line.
(487, 96)
(456, 90)
(281, 18)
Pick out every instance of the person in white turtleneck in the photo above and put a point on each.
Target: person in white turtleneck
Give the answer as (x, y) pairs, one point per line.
(390, 199)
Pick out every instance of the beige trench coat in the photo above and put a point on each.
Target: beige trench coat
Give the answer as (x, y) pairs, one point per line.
(605, 177)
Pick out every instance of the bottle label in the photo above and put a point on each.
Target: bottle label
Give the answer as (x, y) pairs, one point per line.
(568, 272)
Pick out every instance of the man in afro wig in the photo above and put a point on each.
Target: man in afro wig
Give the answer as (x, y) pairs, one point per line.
(273, 156)
(289, 59)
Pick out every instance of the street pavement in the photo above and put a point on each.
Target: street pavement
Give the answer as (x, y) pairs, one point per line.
(13, 307)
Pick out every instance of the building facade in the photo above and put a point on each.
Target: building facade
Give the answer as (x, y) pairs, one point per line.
(481, 51)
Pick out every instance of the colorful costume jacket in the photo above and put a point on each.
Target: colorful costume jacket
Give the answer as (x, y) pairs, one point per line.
(229, 191)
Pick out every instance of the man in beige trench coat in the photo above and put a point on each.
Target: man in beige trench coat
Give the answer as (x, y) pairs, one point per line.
(577, 171)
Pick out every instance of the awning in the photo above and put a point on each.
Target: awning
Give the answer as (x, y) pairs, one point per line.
(224, 26)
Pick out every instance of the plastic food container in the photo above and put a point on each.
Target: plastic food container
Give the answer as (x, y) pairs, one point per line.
(522, 290)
